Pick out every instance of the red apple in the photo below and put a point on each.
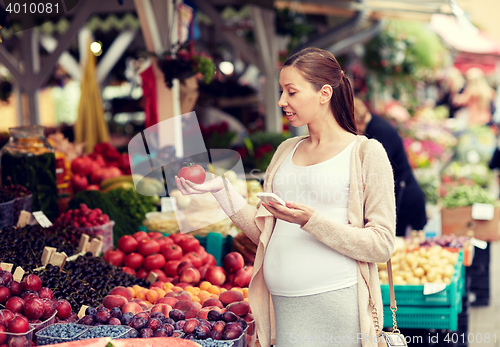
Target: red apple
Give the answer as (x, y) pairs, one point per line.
(215, 275)
(233, 262)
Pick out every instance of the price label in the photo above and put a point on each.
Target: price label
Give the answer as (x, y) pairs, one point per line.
(18, 274)
(152, 277)
(478, 243)
(483, 211)
(6, 266)
(433, 288)
(24, 219)
(42, 219)
(81, 313)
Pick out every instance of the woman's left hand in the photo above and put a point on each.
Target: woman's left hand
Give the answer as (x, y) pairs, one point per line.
(293, 212)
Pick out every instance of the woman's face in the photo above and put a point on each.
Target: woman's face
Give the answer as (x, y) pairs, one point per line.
(299, 100)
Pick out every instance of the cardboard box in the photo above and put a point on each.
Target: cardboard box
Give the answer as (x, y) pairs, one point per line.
(459, 220)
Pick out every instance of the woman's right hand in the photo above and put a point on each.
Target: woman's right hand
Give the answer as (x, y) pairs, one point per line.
(187, 187)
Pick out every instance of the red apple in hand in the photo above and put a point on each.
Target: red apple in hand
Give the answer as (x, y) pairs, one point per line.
(193, 173)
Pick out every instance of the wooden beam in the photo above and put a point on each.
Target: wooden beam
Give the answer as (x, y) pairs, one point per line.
(10, 62)
(79, 19)
(70, 64)
(114, 53)
(248, 51)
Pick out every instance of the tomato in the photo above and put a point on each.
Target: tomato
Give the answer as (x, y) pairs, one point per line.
(156, 261)
(141, 235)
(142, 274)
(129, 270)
(114, 257)
(148, 247)
(165, 241)
(155, 235)
(193, 173)
(189, 244)
(171, 252)
(210, 260)
(133, 260)
(128, 244)
(194, 258)
(170, 267)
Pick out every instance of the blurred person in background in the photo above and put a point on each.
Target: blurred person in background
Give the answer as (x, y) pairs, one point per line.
(453, 85)
(410, 200)
(476, 99)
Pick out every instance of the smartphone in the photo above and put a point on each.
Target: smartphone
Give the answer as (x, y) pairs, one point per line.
(266, 197)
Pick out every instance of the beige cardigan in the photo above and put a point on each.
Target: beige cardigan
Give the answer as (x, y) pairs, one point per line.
(368, 240)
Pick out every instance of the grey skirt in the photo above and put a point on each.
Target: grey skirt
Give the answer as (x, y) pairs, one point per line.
(325, 319)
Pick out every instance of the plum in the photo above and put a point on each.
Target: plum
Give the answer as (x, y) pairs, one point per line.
(127, 317)
(202, 332)
(176, 315)
(214, 315)
(137, 323)
(87, 320)
(146, 333)
(229, 316)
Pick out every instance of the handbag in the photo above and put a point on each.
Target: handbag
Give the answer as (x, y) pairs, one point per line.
(393, 338)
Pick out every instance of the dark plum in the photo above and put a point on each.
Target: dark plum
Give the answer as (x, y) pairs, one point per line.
(168, 321)
(87, 320)
(216, 335)
(114, 321)
(102, 308)
(214, 315)
(115, 312)
(133, 333)
(202, 332)
(153, 323)
(127, 317)
(169, 328)
(146, 333)
(206, 323)
(234, 326)
(230, 335)
(229, 316)
(91, 311)
(102, 316)
(137, 323)
(160, 333)
(179, 325)
(177, 315)
(158, 315)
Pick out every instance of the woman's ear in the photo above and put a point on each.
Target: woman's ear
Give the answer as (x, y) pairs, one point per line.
(325, 94)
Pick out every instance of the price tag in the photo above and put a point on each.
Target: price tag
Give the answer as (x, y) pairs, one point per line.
(168, 204)
(58, 259)
(18, 274)
(81, 313)
(47, 254)
(152, 277)
(82, 246)
(478, 243)
(42, 219)
(24, 219)
(483, 211)
(433, 288)
(95, 247)
(6, 266)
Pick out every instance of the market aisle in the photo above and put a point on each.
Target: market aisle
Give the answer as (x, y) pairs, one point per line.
(486, 319)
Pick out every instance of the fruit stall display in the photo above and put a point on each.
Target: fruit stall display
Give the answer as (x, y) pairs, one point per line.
(429, 285)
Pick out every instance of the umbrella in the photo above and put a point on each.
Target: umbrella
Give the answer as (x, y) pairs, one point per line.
(90, 126)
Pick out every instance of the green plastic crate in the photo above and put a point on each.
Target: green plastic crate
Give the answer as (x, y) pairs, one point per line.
(423, 317)
(216, 245)
(413, 295)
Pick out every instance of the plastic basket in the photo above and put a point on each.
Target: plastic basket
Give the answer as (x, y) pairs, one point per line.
(44, 337)
(423, 317)
(45, 323)
(20, 204)
(239, 342)
(105, 230)
(22, 340)
(413, 295)
(6, 214)
(91, 333)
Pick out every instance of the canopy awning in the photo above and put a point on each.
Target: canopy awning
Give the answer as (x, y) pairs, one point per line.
(463, 40)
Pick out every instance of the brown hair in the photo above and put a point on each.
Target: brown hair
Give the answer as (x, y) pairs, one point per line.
(319, 67)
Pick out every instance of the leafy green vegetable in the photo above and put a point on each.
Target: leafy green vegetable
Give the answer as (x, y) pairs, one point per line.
(466, 196)
(133, 203)
(95, 199)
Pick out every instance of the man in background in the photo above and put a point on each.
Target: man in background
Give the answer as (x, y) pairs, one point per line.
(410, 200)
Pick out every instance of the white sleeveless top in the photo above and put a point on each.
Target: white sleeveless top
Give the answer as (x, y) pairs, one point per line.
(296, 263)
